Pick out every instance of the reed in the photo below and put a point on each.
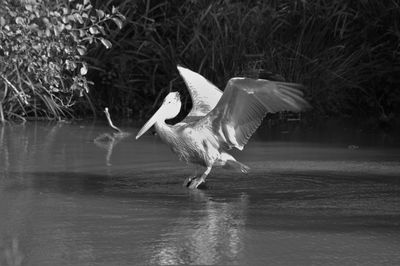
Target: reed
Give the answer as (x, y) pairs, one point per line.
(345, 53)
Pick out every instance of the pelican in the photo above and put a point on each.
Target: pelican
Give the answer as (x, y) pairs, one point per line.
(220, 121)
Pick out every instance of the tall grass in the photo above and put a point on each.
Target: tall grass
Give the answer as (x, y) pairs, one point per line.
(345, 53)
(21, 94)
(210, 37)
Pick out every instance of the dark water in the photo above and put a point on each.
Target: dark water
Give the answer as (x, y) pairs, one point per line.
(65, 200)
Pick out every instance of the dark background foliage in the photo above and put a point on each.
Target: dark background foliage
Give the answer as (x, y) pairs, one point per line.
(345, 53)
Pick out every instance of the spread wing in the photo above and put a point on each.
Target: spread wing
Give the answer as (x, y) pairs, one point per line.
(204, 94)
(244, 104)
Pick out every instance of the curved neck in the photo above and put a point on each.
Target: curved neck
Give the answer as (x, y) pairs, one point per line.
(166, 132)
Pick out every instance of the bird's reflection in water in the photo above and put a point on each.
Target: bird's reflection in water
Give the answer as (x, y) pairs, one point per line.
(211, 232)
(108, 141)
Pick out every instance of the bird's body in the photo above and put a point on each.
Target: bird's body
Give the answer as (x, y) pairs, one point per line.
(191, 144)
(220, 121)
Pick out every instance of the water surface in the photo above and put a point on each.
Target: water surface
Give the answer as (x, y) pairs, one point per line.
(66, 200)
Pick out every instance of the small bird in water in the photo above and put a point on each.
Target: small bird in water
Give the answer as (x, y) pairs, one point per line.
(220, 121)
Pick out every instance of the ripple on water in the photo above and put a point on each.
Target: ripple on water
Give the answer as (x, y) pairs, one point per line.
(67, 201)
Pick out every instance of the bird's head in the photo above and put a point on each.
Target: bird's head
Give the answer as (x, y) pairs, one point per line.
(170, 108)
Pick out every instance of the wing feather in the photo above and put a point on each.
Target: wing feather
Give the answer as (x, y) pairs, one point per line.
(204, 94)
(244, 104)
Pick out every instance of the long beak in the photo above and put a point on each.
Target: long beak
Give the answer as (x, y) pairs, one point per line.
(150, 123)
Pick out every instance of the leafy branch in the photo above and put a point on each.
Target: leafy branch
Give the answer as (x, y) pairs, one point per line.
(42, 48)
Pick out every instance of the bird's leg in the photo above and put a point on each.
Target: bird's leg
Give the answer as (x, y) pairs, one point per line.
(189, 179)
(200, 181)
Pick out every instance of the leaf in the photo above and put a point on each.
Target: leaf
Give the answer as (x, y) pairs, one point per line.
(56, 31)
(37, 47)
(106, 43)
(33, 26)
(78, 17)
(84, 69)
(19, 20)
(61, 27)
(67, 50)
(82, 33)
(122, 17)
(74, 36)
(101, 28)
(70, 65)
(65, 11)
(2, 21)
(94, 30)
(65, 19)
(100, 13)
(40, 33)
(118, 22)
(81, 50)
(71, 17)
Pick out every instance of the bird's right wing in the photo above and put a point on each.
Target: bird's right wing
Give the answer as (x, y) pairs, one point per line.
(244, 104)
(204, 94)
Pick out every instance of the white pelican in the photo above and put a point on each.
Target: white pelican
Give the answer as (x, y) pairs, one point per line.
(220, 120)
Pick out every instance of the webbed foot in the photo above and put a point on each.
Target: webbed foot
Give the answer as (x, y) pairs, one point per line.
(195, 183)
(188, 181)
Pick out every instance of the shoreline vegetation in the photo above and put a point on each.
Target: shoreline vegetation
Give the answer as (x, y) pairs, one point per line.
(70, 59)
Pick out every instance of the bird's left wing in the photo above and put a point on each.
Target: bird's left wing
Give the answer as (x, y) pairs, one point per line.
(204, 94)
(244, 104)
